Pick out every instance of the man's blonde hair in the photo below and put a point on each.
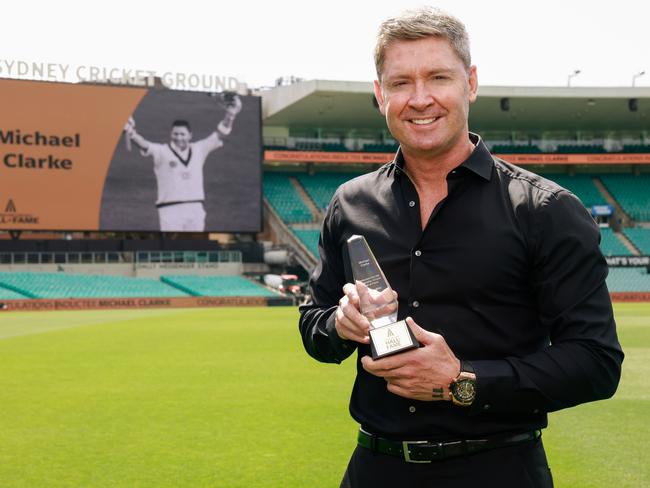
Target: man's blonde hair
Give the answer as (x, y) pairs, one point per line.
(418, 24)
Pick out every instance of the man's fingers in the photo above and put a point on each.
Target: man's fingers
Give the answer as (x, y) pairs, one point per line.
(350, 324)
(381, 367)
(350, 291)
(350, 330)
(423, 336)
(351, 311)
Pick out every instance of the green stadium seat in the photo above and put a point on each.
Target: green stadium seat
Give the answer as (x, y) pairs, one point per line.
(636, 148)
(580, 149)
(640, 237)
(221, 286)
(611, 245)
(380, 147)
(628, 279)
(8, 294)
(309, 238)
(631, 192)
(321, 186)
(515, 149)
(580, 185)
(67, 285)
(284, 198)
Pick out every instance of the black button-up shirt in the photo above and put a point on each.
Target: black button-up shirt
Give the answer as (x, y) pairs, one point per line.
(508, 269)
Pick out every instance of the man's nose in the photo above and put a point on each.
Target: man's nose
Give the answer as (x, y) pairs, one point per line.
(421, 96)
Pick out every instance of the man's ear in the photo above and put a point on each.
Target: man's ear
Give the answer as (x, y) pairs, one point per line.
(473, 84)
(379, 97)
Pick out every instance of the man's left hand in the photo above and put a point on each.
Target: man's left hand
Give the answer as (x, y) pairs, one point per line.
(421, 374)
(233, 105)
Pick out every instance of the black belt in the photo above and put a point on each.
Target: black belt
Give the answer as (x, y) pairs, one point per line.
(426, 451)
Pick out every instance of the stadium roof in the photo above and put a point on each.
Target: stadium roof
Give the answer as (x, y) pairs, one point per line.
(347, 105)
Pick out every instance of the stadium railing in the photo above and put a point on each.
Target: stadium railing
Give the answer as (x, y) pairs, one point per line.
(121, 257)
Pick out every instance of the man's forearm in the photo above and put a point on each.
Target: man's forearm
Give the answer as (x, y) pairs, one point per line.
(140, 141)
(583, 364)
(319, 335)
(225, 126)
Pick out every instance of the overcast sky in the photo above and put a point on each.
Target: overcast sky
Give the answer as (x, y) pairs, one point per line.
(513, 42)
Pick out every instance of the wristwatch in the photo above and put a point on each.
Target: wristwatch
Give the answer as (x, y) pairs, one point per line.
(462, 390)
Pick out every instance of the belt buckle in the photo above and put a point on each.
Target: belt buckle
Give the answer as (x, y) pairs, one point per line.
(407, 453)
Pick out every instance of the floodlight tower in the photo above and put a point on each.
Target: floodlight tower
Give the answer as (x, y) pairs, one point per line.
(572, 75)
(634, 77)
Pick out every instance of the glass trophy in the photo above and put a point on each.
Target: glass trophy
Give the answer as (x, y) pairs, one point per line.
(377, 302)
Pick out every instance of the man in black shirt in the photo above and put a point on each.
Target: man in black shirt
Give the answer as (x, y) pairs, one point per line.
(498, 270)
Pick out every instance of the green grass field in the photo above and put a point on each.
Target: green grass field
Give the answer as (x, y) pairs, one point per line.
(228, 398)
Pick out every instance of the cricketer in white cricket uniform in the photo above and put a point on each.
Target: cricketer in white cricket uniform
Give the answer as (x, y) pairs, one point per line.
(179, 175)
(178, 166)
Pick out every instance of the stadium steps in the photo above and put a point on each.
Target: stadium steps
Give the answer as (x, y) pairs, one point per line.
(626, 221)
(631, 191)
(640, 237)
(611, 244)
(285, 200)
(315, 211)
(19, 290)
(627, 242)
(9, 293)
(179, 286)
(284, 235)
(309, 237)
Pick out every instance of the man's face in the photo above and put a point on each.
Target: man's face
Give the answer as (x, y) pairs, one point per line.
(424, 93)
(181, 136)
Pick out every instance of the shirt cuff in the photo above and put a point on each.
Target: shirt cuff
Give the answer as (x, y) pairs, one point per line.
(341, 347)
(495, 384)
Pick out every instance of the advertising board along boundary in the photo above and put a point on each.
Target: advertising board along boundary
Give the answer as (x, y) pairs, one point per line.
(48, 305)
(36, 305)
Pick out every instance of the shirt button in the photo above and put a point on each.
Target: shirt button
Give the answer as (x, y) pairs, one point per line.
(418, 253)
(415, 304)
(411, 203)
(412, 409)
(486, 406)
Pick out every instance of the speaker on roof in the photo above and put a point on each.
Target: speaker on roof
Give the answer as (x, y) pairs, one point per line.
(505, 104)
(633, 104)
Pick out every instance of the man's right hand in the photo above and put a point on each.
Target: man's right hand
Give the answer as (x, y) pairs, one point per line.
(350, 324)
(129, 127)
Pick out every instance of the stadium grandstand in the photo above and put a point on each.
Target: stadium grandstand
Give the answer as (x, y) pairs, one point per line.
(317, 135)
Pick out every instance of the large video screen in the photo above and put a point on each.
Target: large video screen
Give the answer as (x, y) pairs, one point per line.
(110, 158)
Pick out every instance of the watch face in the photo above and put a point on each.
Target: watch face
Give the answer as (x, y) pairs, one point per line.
(464, 390)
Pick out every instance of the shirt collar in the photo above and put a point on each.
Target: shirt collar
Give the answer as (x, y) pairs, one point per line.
(479, 161)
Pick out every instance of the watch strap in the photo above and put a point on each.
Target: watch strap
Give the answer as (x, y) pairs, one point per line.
(466, 366)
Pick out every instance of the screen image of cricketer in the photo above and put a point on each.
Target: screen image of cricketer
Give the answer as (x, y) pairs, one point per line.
(377, 302)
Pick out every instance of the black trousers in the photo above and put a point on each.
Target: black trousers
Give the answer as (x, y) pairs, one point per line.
(522, 465)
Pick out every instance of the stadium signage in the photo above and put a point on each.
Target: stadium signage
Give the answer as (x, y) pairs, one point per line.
(126, 303)
(628, 261)
(19, 160)
(10, 216)
(521, 159)
(67, 164)
(43, 71)
(328, 157)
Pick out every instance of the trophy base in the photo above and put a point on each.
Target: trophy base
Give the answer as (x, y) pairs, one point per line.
(391, 339)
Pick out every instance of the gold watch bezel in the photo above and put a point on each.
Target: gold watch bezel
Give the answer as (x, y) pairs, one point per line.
(456, 397)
